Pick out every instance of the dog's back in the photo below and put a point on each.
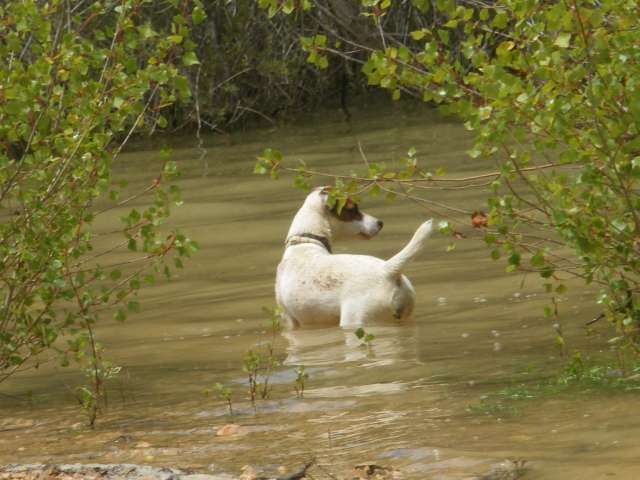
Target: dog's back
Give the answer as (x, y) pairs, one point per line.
(318, 289)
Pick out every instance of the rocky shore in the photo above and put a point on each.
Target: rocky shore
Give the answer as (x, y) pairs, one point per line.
(506, 470)
(78, 471)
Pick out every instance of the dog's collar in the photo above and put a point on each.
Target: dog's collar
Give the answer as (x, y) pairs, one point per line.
(299, 238)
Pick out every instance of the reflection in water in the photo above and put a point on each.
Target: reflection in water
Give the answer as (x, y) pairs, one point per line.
(402, 402)
(335, 345)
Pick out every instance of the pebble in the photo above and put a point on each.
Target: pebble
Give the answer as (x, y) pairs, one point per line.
(117, 471)
(248, 473)
(230, 429)
(11, 423)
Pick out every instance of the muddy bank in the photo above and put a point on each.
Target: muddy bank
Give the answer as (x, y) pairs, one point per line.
(97, 471)
(506, 470)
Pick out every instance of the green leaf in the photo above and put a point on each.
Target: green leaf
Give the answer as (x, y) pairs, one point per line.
(445, 228)
(500, 20)
(563, 40)
(198, 15)
(485, 112)
(120, 315)
(190, 58)
(538, 259)
(444, 36)
(133, 306)
(322, 62)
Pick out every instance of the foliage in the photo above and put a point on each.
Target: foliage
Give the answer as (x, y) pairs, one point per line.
(550, 91)
(77, 80)
(580, 374)
(250, 69)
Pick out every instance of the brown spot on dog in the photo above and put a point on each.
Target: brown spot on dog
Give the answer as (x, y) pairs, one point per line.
(327, 283)
(349, 213)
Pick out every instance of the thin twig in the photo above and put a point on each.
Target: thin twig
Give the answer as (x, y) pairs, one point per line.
(201, 149)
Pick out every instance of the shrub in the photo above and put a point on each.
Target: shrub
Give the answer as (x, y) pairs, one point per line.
(77, 80)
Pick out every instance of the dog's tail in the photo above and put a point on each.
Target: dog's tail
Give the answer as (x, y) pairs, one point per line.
(395, 264)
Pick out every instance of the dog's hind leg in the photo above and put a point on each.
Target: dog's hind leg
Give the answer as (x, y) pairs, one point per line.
(289, 321)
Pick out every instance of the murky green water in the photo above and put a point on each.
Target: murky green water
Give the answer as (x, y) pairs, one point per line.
(401, 403)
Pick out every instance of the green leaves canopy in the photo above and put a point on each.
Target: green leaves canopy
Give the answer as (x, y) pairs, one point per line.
(75, 84)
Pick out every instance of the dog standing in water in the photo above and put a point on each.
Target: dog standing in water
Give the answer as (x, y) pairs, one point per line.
(316, 287)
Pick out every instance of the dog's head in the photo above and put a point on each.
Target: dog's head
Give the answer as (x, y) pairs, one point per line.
(348, 222)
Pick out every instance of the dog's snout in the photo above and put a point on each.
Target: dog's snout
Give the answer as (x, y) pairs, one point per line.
(380, 224)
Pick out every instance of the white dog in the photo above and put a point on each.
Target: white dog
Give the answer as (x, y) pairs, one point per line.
(315, 287)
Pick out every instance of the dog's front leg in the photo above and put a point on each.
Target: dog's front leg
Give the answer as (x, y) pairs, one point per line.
(351, 315)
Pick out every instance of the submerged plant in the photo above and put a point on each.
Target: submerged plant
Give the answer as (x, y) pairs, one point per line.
(270, 360)
(260, 362)
(270, 363)
(493, 407)
(224, 393)
(93, 397)
(301, 378)
(365, 337)
(579, 374)
(259, 367)
(251, 365)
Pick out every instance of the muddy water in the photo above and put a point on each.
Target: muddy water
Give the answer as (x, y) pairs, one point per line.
(401, 403)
